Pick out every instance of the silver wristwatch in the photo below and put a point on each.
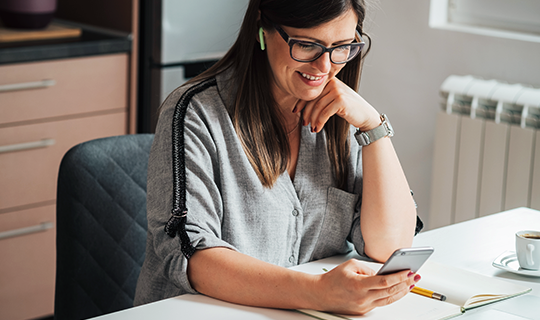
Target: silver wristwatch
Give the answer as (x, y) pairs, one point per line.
(368, 137)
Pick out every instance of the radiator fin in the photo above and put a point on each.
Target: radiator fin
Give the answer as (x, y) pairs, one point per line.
(487, 150)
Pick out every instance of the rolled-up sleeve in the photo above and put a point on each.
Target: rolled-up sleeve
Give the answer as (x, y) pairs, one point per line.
(203, 202)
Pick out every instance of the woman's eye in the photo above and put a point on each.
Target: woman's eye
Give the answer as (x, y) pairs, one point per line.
(343, 49)
(306, 46)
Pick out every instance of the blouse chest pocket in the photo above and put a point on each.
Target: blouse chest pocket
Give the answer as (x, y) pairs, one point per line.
(337, 223)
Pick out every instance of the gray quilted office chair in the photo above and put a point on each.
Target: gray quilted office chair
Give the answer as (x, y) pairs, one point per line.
(101, 225)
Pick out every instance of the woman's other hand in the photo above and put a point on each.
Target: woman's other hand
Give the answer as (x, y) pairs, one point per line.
(388, 211)
(354, 288)
(338, 98)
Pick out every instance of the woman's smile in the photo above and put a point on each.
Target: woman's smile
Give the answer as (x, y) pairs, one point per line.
(312, 80)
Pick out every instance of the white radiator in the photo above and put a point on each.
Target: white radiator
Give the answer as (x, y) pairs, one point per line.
(487, 150)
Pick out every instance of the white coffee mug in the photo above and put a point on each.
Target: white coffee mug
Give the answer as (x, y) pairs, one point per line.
(528, 249)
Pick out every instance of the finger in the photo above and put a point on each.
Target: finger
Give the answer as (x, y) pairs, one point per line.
(362, 310)
(381, 294)
(307, 110)
(353, 270)
(381, 282)
(300, 104)
(381, 297)
(322, 111)
(390, 298)
(359, 267)
(325, 103)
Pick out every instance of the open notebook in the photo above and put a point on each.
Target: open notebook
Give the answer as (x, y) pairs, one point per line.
(463, 289)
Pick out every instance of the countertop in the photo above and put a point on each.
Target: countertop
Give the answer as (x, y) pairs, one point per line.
(93, 41)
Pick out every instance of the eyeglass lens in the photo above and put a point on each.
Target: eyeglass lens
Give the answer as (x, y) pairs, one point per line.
(306, 51)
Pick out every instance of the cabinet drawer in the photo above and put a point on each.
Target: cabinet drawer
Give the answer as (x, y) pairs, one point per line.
(29, 176)
(37, 90)
(27, 270)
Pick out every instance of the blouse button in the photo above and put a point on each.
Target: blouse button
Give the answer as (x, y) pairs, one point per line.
(295, 212)
(291, 259)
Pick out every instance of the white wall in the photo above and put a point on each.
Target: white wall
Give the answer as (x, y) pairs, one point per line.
(406, 66)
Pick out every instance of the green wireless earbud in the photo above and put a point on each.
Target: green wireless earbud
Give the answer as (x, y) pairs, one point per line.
(261, 38)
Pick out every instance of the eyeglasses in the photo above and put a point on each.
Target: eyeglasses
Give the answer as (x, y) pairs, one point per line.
(307, 51)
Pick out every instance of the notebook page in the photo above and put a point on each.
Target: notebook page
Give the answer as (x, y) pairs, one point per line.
(410, 307)
(460, 285)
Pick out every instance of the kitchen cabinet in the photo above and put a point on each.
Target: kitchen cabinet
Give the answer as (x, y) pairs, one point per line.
(55, 94)
(46, 107)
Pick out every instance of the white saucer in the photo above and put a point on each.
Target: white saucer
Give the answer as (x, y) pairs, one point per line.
(508, 261)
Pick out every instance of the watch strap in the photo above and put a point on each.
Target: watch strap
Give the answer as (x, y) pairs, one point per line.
(368, 137)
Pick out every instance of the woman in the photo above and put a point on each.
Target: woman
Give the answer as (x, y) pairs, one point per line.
(258, 163)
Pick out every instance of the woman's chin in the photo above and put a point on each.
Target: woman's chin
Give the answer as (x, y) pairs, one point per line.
(311, 94)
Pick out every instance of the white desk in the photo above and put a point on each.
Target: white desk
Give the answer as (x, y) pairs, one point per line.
(471, 245)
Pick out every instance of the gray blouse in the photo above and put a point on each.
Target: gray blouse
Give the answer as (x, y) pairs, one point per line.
(288, 224)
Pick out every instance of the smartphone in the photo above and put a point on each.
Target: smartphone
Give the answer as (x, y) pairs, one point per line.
(406, 259)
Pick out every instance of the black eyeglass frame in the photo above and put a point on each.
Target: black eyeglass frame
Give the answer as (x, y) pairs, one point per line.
(291, 41)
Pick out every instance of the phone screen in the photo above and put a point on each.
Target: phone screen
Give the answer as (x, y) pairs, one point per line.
(406, 259)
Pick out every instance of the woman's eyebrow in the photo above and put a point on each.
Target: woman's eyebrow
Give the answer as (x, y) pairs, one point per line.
(322, 42)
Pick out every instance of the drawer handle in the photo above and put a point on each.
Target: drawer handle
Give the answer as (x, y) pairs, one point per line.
(27, 85)
(44, 226)
(27, 145)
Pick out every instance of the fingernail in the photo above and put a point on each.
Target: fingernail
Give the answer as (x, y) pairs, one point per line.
(410, 274)
(417, 278)
(410, 288)
(294, 110)
(314, 129)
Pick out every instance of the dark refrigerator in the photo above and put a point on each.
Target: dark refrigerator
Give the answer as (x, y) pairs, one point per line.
(178, 40)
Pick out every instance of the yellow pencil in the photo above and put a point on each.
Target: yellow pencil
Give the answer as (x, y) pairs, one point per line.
(428, 293)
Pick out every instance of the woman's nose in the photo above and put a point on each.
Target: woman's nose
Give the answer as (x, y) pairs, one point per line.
(323, 63)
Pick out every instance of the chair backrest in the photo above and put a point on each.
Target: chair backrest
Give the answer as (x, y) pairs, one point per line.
(101, 225)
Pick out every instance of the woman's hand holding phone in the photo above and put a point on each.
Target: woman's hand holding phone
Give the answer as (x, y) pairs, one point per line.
(406, 259)
(354, 288)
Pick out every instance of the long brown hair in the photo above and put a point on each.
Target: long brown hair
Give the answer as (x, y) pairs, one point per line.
(254, 113)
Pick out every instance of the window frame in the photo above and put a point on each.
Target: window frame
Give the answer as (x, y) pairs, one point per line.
(513, 19)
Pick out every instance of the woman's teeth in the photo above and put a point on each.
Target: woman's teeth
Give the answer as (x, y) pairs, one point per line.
(312, 78)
